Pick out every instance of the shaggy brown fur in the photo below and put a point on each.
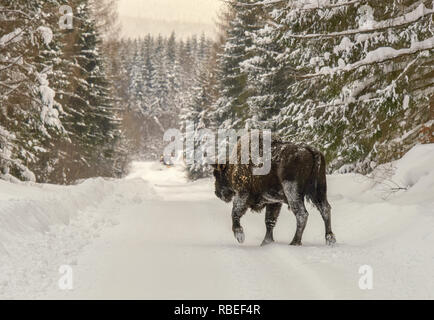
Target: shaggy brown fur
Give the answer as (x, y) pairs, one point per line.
(297, 171)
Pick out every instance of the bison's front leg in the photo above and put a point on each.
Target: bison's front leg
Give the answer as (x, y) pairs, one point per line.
(271, 214)
(238, 210)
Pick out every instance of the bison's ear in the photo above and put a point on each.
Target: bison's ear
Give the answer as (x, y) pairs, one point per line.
(221, 167)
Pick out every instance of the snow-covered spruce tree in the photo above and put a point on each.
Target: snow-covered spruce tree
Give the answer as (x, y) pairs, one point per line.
(352, 77)
(122, 83)
(105, 15)
(187, 55)
(197, 115)
(138, 72)
(204, 48)
(87, 98)
(163, 112)
(266, 74)
(198, 104)
(160, 79)
(173, 71)
(231, 108)
(148, 69)
(137, 60)
(30, 121)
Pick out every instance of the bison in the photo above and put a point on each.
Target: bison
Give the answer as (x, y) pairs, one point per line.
(297, 172)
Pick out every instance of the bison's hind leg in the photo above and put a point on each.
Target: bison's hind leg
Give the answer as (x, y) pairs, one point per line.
(325, 209)
(296, 204)
(271, 214)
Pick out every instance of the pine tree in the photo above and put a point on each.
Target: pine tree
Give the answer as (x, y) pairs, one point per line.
(59, 119)
(232, 108)
(351, 77)
(148, 70)
(173, 70)
(88, 102)
(374, 90)
(30, 116)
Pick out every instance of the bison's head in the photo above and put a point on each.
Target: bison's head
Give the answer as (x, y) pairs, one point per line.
(222, 185)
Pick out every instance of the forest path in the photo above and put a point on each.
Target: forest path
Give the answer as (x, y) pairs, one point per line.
(180, 246)
(154, 235)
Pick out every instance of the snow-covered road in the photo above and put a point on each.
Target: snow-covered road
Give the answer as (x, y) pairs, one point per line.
(154, 235)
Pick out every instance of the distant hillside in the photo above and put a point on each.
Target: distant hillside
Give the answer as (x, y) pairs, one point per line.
(133, 27)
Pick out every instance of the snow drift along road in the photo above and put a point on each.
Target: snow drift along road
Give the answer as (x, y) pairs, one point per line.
(155, 235)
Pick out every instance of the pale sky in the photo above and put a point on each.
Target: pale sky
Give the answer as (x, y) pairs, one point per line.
(139, 17)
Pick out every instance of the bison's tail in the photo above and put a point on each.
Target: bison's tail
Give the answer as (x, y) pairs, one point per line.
(317, 186)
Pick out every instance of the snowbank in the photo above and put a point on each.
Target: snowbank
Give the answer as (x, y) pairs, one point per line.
(14, 36)
(415, 170)
(34, 208)
(45, 226)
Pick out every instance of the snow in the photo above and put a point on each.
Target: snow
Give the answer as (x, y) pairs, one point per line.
(366, 18)
(370, 25)
(45, 226)
(377, 56)
(345, 45)
(406, 102)
(156, 235)
(316, 4)
(422, 175)
(49, 114)
(46, 33)
(14, 36)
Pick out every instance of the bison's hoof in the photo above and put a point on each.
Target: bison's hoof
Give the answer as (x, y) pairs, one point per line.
(239, 235)
(330, 239)
(267, 241)
(295, 243)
